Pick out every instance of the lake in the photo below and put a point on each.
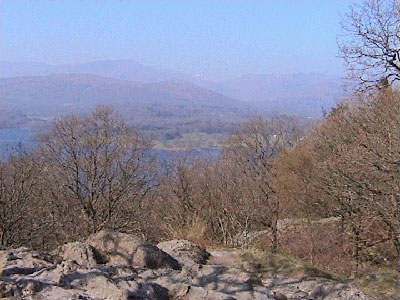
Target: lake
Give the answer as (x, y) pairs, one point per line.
(12, 138)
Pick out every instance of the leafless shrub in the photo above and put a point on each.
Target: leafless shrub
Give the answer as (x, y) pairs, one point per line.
(97, 171)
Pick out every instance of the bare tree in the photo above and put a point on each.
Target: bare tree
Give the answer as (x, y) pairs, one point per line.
(97, 170)
(356, 167)
(347, 168)
(369, 43)
(252, 148)
(19, 180)
(371, 48)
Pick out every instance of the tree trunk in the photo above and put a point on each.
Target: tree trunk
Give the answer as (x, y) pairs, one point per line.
(398, 195)
(275, 226)
(398, 163)
(356, 251)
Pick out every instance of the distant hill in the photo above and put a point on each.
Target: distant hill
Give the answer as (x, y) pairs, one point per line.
(81, 90)
(299, 93)
(180, 110)
(161, 106)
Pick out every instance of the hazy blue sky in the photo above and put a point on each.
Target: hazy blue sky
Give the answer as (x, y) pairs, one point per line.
(220, 38)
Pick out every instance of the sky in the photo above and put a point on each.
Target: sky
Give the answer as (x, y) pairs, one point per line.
(218, 39)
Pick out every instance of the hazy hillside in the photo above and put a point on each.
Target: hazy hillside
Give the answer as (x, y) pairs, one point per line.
(299, 93)
(66, 91)
(179, 109)
(167, 109)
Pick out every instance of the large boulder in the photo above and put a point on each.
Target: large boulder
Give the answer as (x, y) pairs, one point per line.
(125, 249)
(83, 254)
(186, 252)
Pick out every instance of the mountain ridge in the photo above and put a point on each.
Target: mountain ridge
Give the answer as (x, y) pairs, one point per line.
(165, 107)
(294, 93)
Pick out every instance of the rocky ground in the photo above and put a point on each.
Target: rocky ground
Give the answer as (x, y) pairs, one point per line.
(111, 265)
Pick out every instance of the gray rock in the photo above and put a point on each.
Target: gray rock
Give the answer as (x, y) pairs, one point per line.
(103, 288)
(251, 295)
(317, 291)
(83, 254)
(128, 250)
(186, 252)
(137, 270)
(59, 293)
(58, 272)
(149, 256)
(279, 296)
(299, 295)
(232, 281)
(187, 292)
(348, 293)
(10, 290)
(21, 261)
(153, 291)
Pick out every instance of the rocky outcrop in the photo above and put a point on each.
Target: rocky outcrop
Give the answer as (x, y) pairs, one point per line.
(125, 249)
(21, 261)
(83, 254)
(187, 253)
(117, 266)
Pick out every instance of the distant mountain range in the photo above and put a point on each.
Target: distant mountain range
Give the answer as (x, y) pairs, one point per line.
(51, 90)
(305, 94)
(160, 106)
(300, 93)
(168, 104)
(69, 92)
(267, 87)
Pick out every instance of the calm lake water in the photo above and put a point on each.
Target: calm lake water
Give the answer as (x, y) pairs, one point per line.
(12, 138)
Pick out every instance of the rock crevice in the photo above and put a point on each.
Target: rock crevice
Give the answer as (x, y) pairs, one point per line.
(117, 266)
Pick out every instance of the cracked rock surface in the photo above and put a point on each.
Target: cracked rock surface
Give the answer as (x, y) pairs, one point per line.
(118, 266)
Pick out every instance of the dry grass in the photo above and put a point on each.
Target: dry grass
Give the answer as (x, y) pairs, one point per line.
(324, 245)
(195, 232)
(294, 259)
(284, 265)
(382, 283)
